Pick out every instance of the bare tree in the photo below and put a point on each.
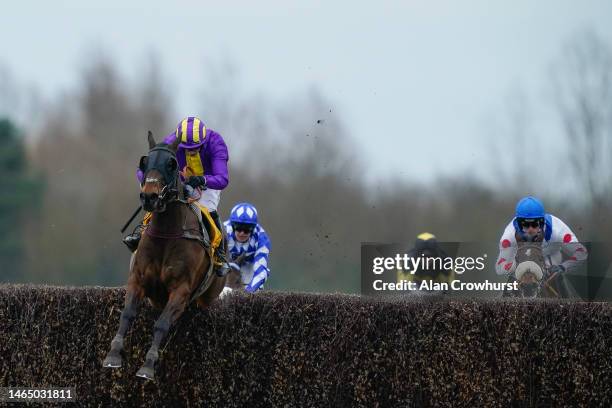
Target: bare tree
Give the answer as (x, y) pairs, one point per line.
(291, 157)
(89, 152)
(582, 83)
(510, 138)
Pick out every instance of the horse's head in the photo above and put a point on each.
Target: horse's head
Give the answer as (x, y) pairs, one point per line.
(160, 175)
(530, 268)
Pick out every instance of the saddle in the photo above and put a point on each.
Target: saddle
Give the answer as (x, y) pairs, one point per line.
(209, 235)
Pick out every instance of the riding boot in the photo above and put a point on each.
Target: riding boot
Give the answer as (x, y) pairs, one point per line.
(221, 266)
(132, 240)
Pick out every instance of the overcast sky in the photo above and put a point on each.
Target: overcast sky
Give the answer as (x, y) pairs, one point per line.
(414, 81)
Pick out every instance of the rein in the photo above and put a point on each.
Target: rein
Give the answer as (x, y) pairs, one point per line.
(549, 286)
(155, 233)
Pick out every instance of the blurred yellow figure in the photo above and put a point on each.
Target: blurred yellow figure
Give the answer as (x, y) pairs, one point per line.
(431, 267)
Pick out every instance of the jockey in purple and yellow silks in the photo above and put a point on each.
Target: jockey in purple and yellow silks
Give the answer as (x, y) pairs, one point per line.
(202, 156)
(205, 153)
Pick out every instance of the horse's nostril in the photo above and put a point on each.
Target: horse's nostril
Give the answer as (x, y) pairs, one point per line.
(149, 198)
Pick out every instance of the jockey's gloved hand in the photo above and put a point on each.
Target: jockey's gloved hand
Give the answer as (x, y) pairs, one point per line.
(556, 269)
(196, 182)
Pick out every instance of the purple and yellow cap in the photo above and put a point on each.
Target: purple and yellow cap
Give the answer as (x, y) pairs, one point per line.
(192, 132)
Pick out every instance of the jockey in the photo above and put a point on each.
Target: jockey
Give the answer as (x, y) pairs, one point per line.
(203, 155)
(426, 245)
(532, 224)
(248, 246)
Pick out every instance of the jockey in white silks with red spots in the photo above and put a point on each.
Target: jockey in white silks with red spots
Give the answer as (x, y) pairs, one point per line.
(560, 246)
(247, 241)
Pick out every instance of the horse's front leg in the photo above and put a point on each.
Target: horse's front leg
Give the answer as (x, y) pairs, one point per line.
(133, 297)
(177, 302)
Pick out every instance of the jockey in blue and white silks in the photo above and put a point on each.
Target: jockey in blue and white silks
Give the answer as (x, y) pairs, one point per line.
(248, 243)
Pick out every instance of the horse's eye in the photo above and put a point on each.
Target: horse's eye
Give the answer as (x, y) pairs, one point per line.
(142, 165)
(172, 165)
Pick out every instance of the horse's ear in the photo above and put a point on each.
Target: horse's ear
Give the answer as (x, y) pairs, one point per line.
(175, 144)
(152, 143)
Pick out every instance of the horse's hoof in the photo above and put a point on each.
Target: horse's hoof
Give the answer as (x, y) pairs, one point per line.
(225, 292)
(112, 362)
(146, 372)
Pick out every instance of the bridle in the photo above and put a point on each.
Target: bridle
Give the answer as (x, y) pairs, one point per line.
(170, 191)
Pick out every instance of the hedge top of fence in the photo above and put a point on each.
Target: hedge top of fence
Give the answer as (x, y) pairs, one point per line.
(277, 349)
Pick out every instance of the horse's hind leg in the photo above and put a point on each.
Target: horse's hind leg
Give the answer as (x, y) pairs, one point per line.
(177, 302)
(133, 297)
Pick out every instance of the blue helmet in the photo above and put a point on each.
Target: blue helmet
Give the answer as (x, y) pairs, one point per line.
(244, 213)
(529, 207)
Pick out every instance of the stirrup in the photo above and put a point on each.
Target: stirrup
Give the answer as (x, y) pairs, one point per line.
(221, 266)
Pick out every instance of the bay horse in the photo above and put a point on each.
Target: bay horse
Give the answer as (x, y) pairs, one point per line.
(531, 272)
(173, 264)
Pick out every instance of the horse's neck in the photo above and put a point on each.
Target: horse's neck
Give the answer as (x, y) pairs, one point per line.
(170, 220)
(537, 246)
(530, 251)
